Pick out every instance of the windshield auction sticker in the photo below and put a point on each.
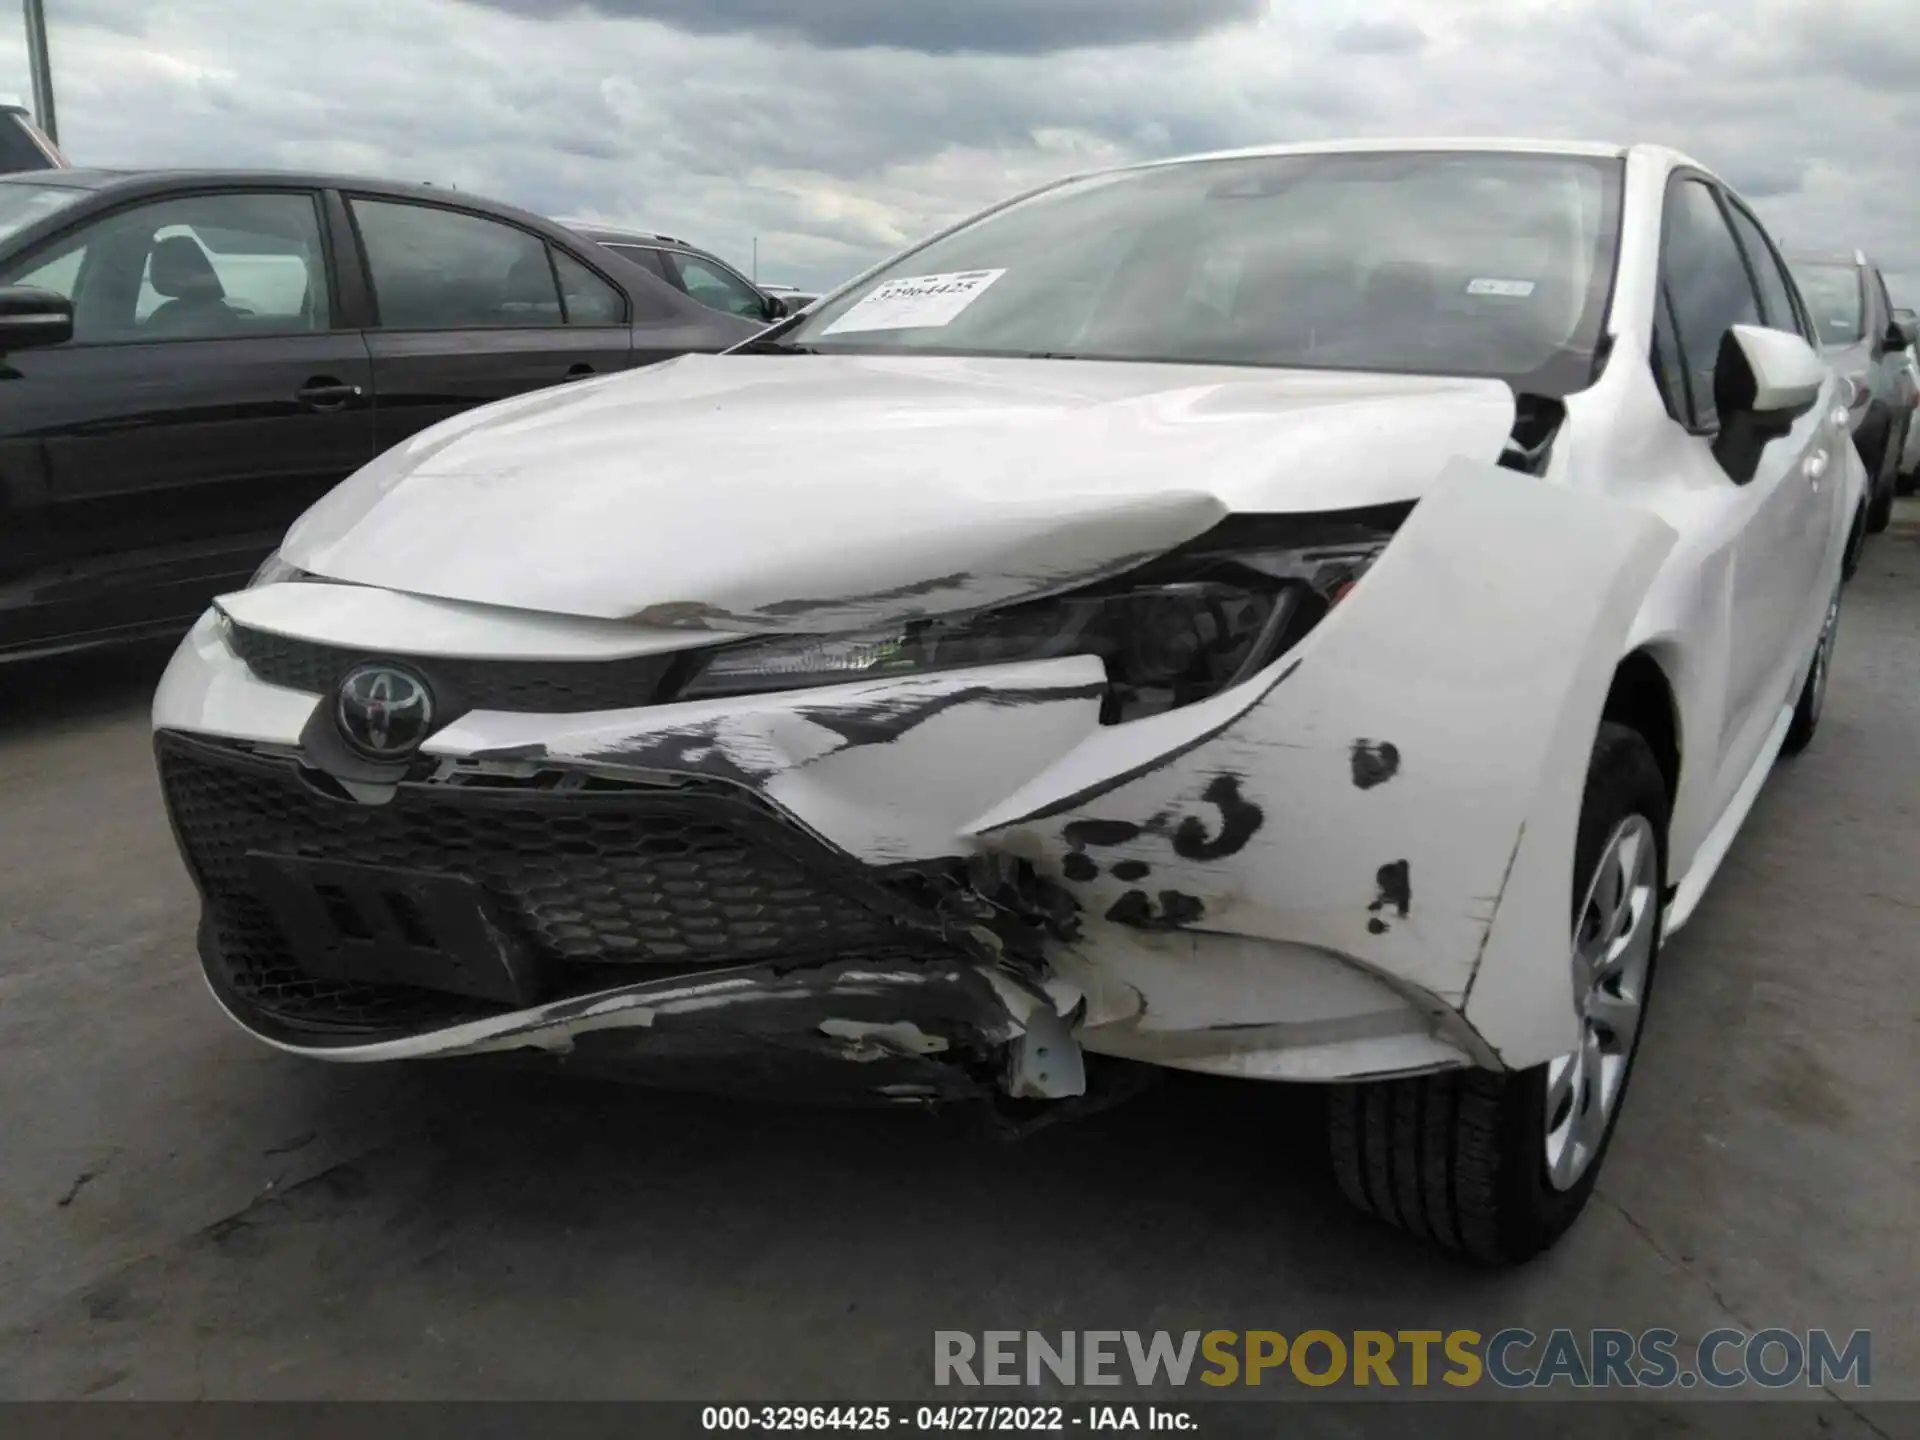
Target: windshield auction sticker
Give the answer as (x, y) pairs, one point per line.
(916, 302)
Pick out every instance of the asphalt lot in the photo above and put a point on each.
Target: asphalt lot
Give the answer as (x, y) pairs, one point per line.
(185, 1213)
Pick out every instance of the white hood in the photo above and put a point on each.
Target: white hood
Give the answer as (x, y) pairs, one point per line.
(819, 493)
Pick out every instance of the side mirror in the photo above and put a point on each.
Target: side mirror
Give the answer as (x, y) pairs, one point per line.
(1899, 334)
(777, 308)
(31, 318)
(1763, 380)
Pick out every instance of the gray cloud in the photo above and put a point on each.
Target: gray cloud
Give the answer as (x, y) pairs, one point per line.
(834, 155)
(940, 27)
(1379, 37)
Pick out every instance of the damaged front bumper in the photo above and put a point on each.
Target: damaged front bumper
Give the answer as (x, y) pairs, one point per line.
(1355, 864)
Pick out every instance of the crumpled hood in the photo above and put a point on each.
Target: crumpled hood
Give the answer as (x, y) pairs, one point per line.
(819, 493)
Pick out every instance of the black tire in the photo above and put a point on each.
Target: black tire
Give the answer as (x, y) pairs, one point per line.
(1460, 1157)
(1856, 542)
(1813, 693)
(1885, 480)
(1880, 510)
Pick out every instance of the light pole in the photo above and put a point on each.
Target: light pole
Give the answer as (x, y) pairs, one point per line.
(42, 66)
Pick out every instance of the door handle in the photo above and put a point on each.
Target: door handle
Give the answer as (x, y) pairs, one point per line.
(323, 392)
(1814, 466)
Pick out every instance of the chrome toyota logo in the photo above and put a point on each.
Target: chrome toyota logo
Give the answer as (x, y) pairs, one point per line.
(383, 711)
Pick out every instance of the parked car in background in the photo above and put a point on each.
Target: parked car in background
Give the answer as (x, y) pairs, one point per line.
(192, 358)
(693, 271)
(1909, 323)
(1314, 614)
(23, 145)
(1853, 317)
(796, 298)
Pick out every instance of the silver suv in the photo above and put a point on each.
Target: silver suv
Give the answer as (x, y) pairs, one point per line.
(1854, 319)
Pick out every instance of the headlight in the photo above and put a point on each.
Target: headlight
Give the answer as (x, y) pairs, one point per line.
(1185, 627)
(273, 570)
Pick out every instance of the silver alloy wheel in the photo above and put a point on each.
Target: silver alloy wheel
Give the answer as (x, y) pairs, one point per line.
(1612, 955)
(1823, 657)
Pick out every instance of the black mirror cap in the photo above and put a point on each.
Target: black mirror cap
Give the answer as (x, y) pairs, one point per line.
(777, 308)
(30, 318)
(1900, 334)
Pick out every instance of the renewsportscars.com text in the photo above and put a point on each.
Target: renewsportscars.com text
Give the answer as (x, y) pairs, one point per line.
(1510, 1359)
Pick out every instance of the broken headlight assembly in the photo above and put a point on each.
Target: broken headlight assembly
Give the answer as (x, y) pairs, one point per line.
(1188, 625)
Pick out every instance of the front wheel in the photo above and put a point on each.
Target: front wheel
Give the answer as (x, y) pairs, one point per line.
(1498, 1166)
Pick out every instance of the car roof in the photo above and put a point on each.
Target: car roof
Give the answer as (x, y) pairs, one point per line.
(1502, 144)
(593, 230)
(141, 181)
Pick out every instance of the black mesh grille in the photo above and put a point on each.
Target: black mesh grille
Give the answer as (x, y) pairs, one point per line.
(530, 686)
(623, 878)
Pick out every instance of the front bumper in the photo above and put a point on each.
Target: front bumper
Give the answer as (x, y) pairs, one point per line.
(1356, 864)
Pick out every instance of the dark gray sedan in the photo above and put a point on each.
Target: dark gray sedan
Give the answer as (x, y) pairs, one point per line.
(190, 359)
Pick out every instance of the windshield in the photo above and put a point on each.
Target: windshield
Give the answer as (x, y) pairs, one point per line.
(1833, 294)
(21, 204)
(1435, 263)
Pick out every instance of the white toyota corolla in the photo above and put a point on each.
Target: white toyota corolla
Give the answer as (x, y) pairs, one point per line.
(1311, 614)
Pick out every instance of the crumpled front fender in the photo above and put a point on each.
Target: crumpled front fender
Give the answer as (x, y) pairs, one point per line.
(1401, 791)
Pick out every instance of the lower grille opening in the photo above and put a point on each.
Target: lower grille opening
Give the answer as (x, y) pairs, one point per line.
(601, 887)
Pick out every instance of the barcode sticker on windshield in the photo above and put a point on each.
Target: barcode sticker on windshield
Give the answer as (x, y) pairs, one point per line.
(1512, 289)
(916, 301)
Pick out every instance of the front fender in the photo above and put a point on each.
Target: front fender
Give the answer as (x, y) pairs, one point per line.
(1401, 791)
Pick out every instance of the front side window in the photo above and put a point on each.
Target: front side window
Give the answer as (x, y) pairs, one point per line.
(1834, 296)
(1459, 263)
(718, 288)
(1707, 285)
(201, 267)
(436, 269)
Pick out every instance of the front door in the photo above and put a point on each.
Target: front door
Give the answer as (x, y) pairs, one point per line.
(472, 309)
(205, 400)
(1784, 514)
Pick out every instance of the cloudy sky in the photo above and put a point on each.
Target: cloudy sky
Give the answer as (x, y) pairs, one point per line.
(837, 130)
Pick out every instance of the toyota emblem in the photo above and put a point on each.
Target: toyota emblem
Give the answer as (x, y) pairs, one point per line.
(384, 712)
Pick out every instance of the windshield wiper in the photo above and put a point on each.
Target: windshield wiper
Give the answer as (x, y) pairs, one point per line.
(761, 345)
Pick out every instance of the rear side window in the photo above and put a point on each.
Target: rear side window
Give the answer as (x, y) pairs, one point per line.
(590, 300)
(1776, 291)
(437, 269)
(1707, 285)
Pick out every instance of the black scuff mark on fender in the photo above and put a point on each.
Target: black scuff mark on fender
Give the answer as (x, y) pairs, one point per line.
(1131, 870)
(1176, 909)
(1080, 867)
(1374, 762)
(1080, 798)
(1079, 834)
(1394, 891)
(1240, 820)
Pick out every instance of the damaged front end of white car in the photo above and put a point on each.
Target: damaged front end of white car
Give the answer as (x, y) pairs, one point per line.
(922, 728)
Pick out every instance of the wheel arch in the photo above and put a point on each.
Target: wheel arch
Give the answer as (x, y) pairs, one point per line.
(1642, 698)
